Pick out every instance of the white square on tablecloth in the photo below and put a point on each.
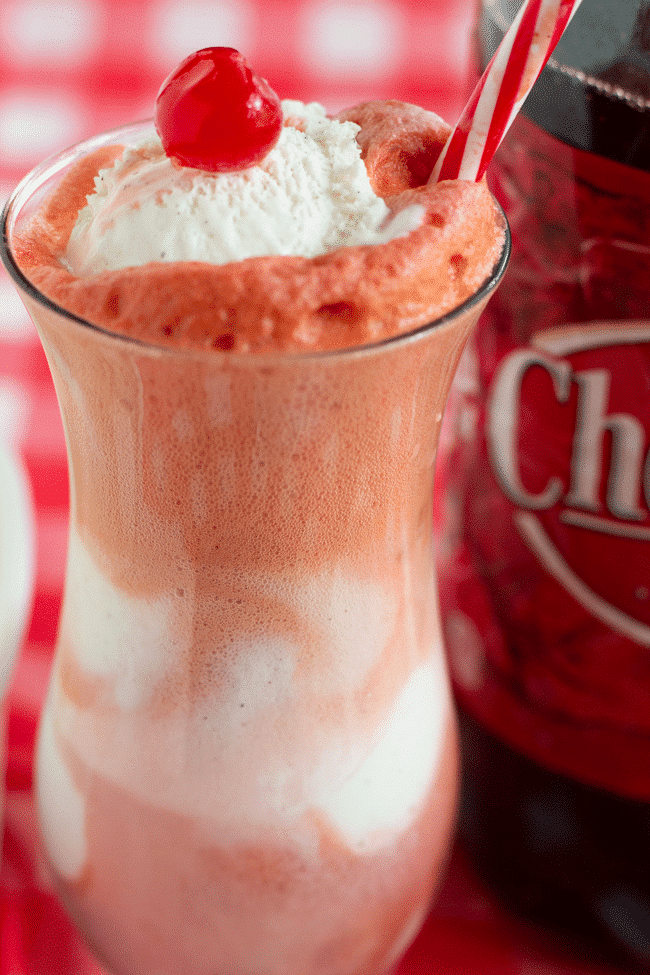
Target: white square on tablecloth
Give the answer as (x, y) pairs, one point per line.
(50, 32)
(339, 39)
(35, 122)
(177, 29)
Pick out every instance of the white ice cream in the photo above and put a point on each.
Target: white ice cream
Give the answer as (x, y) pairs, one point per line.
(368, 782)
(61, 807)
(309, 195)
(391, 784)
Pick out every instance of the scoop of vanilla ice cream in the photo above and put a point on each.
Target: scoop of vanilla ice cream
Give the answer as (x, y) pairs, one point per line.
(309, 195)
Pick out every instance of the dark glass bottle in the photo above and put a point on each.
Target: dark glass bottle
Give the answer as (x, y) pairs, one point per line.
(545, 570)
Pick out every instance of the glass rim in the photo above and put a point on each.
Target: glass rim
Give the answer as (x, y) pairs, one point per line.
(38, 177)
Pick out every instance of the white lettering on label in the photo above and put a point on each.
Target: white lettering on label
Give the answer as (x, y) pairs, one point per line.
(628, 481)
(577, 490)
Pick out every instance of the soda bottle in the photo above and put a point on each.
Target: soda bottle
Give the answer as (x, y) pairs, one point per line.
(545, 570)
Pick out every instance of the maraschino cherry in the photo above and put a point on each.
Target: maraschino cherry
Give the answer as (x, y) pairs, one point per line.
(214, 113)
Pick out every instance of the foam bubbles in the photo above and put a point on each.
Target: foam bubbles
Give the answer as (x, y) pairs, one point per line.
(354, 617)
(262, 677)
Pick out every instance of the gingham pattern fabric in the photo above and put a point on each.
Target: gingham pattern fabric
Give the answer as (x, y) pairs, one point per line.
(69, 69)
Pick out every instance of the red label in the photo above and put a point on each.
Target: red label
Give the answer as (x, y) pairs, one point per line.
(568, 431)
(546, 593)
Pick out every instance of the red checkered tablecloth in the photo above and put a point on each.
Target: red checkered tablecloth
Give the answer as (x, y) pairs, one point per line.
(68, 69)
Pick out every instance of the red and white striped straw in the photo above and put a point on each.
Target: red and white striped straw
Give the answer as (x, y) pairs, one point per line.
(503, 88)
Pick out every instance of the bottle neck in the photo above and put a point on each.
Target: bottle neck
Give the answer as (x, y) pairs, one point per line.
(594, 94)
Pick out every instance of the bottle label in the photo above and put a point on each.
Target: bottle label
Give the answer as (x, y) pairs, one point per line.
(545, 584)
(580, 390)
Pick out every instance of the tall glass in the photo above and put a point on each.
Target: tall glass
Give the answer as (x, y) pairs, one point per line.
(247, 758)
